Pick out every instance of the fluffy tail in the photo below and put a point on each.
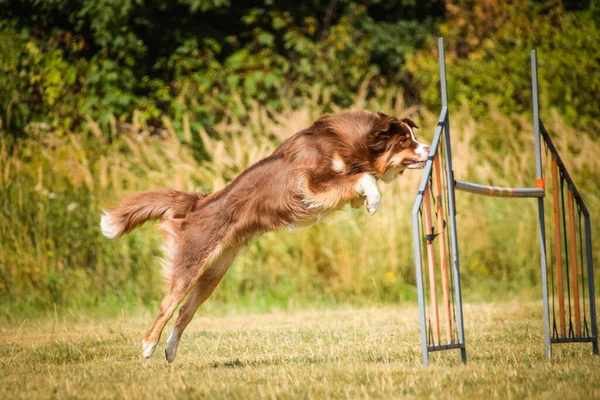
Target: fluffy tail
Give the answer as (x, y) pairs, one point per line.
(141, 207)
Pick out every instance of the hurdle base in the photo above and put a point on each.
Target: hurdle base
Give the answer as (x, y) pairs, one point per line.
(575, 340)
(441, 347)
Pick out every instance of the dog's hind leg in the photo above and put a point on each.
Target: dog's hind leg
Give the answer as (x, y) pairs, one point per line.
(182, 281)
(167, 308)
(201, 291)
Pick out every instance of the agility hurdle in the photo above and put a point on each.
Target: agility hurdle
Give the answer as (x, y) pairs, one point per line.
(573, 319)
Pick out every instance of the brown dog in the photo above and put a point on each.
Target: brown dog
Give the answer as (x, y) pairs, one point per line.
(316, 171)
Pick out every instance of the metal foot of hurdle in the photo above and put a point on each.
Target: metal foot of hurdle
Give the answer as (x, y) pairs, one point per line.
(573, 319)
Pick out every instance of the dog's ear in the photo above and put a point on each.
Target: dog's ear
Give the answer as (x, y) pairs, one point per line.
(410, 123)
(386, 125)
(383, 130)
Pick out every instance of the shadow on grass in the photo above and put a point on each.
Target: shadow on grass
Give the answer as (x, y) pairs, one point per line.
(270, 361)
(342, 357)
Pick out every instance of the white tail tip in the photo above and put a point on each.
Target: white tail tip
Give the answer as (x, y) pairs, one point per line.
(108, 226)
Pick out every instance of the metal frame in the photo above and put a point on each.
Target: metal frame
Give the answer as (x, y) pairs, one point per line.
(443, 127)
(588, 247)
(541, 215)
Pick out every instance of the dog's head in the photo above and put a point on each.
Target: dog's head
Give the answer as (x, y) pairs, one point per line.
(394, 146)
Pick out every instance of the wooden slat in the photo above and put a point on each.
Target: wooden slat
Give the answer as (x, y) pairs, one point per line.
(437, 178)
(435, 324)
(573, 257)
(558, 250)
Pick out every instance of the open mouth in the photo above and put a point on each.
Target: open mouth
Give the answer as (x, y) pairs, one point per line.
(414, 164)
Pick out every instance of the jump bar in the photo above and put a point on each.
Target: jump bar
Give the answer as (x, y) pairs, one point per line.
(495, 191)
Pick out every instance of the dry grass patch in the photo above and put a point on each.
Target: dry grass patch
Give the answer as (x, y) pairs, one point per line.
(344, 353)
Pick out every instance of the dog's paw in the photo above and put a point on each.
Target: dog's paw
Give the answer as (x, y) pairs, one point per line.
(172, 343)
(148, 348)
(170, 354)
(372, 203)
(367, 187)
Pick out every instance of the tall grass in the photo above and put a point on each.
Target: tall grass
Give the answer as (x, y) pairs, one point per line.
(52, 189)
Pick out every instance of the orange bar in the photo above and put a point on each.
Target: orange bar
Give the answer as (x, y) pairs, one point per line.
(559, 271)
(435, 323)
(573, 252)
(437, 176)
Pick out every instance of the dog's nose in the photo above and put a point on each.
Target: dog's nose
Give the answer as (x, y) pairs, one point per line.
(427, 149)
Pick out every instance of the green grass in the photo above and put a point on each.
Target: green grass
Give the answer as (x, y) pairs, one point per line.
(341, 353)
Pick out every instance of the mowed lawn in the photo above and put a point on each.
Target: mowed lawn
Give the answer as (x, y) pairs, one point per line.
(342, 353)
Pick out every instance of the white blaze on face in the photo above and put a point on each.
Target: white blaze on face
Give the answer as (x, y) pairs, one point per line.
(422, 149)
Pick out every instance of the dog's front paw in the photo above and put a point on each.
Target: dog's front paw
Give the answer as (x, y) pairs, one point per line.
(372, 203)
(367, 187)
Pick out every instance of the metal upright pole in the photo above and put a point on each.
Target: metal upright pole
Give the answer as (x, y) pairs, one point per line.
(419, 272)
(539, 177)
(451, 203)
(590, 272)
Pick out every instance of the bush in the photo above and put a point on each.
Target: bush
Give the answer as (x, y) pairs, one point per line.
(68, 60)
(488, 46)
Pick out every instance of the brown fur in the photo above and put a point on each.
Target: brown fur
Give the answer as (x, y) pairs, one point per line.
(141, 207)
(296, 185)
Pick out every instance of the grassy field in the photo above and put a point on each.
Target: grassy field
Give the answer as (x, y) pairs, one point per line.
(341, 353)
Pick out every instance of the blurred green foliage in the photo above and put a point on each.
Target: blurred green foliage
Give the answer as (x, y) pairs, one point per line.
(488, 45)
(62, 60)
